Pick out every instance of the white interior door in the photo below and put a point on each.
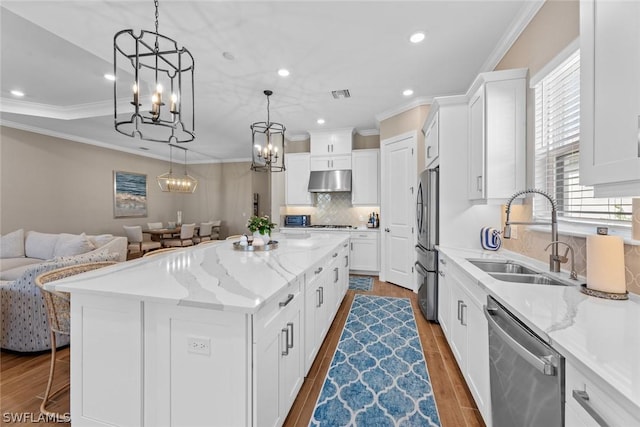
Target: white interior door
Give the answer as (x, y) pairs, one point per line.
(398, 175)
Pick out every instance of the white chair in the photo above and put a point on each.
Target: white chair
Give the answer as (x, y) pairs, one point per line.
(215, 230)
(204, 233)
(136, 240)
(154, 225)
(185, 239)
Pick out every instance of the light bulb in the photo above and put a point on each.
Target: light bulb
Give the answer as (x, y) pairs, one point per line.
(159, 88)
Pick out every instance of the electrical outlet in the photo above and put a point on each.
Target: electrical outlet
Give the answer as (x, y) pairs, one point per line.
(199, 345)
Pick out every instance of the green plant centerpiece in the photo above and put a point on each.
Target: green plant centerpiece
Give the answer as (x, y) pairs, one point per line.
(261, 224)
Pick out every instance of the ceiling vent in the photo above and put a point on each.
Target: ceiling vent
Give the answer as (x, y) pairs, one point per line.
(339, 94)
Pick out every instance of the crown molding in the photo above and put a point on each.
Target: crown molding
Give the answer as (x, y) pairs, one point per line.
(71, 112)
(368, 132)
(417, 102)
(527, 12)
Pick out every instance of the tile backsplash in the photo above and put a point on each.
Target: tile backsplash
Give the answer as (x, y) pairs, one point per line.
(332, 208)
(532, 244)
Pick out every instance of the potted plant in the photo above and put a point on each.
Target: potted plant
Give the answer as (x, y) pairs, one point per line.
(260, 225)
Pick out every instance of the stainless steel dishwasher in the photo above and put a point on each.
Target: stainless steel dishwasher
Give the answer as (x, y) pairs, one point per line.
(527, 375)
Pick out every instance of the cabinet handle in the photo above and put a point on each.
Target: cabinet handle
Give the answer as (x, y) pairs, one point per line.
(428, 152)
(345, 245)
(287, 301)
(328, 148)
(583, 399)
(463, 322)
(335, 270)
(319, 304)
(351, 245)
(321, 295)
(334, 255)
(318, 271)
(459, 304)
(285, 352)
(441, 273)
(443, 261)
(332, 149)
(346, 261)
(290, 327)
(479, 183)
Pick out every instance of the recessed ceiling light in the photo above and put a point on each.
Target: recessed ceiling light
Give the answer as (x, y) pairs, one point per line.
(283, 72)
(407, 92)
(110, 77)
(17, 93)
(417, 37)
(320, 121)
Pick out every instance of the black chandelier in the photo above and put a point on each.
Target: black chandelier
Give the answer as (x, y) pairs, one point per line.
(267, 144)
(162, 73)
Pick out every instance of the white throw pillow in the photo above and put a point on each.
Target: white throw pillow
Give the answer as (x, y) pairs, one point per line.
(101, 239)
(72, 244)
(12, 244)
(40, 245)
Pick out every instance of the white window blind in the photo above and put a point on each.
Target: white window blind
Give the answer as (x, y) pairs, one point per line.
(557, 151)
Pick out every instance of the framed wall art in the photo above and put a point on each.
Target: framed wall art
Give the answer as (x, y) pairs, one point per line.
(129, 194)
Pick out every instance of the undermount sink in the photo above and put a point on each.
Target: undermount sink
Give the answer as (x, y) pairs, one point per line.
(536, 279)
(501, 267)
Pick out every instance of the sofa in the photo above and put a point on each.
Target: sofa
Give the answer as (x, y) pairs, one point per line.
(23, 257)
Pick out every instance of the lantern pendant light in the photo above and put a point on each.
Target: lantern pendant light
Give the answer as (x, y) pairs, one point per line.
(267, 144)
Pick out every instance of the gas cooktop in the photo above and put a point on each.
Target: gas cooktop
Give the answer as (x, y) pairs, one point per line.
(331, 226)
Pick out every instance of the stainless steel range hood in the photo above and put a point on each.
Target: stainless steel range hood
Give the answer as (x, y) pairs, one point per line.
(330, 181)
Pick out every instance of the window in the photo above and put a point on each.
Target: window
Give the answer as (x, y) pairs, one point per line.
(557, 151)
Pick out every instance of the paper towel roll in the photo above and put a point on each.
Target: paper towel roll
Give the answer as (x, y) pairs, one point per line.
(605, 264)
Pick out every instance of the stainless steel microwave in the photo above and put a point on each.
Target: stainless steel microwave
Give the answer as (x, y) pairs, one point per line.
(297, 220)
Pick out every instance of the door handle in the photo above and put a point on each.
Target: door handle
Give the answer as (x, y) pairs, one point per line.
(583, 399)
(387, 230)
(290, 327)
(285, 331)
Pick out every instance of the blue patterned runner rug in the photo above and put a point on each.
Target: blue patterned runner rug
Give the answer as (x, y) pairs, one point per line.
(360, 283)
(378, 375)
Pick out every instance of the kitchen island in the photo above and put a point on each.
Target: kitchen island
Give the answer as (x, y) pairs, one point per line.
(202, 336)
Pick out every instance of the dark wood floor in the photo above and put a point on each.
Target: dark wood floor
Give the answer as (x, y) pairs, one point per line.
(23, 377)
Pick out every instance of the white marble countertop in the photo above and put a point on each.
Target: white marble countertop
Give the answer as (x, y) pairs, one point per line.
(213, 276)
(600, 335)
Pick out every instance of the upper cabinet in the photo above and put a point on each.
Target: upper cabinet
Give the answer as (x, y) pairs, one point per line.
(431, 137)
(497, 135)
(365, 186)
(610, 97)
(297, 180)
(331, 150)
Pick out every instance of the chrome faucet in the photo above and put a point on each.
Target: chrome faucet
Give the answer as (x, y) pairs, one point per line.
(554, 259)
(573, 275)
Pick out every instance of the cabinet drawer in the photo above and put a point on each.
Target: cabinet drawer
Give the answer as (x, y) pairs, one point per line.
(364, 235)
(272, 309)
(600, 403)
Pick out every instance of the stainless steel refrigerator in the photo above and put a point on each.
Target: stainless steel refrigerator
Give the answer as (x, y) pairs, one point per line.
(427, 227)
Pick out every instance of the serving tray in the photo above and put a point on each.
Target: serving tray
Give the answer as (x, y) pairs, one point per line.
(273, 244)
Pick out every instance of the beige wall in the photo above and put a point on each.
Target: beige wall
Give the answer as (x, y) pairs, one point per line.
(56, 185)
(405, 122)
(554, 27)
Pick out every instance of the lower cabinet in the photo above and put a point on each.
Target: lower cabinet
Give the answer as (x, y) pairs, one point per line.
(278, 358)
(589, 403)
(365, 250)
(467, 333)
(444, 296)
(316, 313)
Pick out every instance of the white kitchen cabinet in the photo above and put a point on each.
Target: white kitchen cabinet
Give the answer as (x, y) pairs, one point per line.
(365, 250)
(329, 163)
(431, 137)
(444, 296)
(297, 180)
(279, 353)
(469, 336)
(497, 136)
(365, 177)
(331, 142)
(610, 97)
(594, 403)
(316, 310)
